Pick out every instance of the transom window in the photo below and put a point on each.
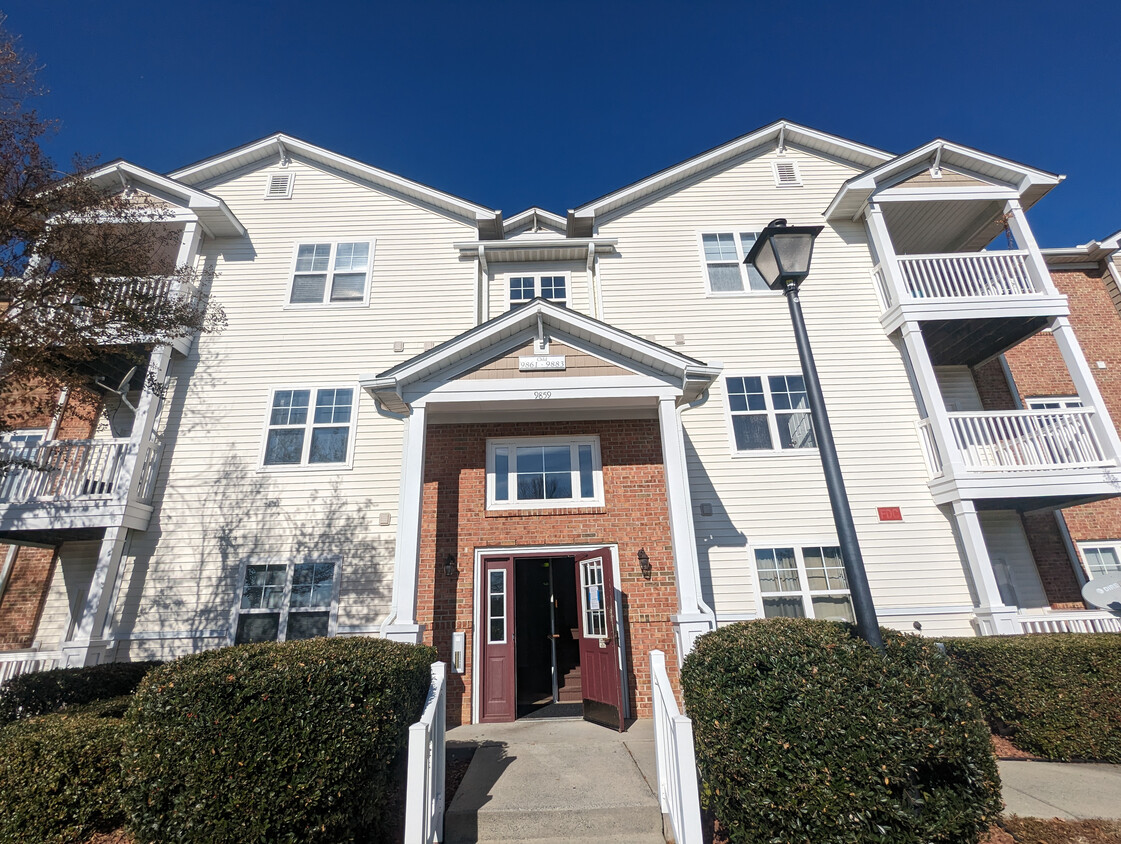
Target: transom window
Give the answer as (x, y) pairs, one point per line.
(281, 602)
(525, 288)
(1101, 559)
(1053, 402)
(543, 473)
(769, 413)
(806, 582)
(725, 271)
(309, 427)
(331, 273)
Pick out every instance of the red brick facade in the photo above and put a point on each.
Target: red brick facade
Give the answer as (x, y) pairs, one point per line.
(635, 516)
(1038, 369)
(30, 577)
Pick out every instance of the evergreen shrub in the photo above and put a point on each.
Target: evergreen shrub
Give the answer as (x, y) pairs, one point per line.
(52, 691)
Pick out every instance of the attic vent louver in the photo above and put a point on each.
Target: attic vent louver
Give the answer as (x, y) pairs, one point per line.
(786, 174)
(279, 186)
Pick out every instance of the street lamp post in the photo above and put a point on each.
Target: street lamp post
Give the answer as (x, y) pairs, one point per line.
(781, 254)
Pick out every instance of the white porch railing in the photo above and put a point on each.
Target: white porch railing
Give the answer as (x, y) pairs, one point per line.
(882, 287)
(15, 663)
(930, 449)
(966, 275)
(1075, 621)
(1028, 440)
(63, 470)
(678, 792)
(424, 790)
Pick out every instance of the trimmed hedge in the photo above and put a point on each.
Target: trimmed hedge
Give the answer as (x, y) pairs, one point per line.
(804, 733)
(51, 691)
(272, 742)
(60, 778)
(1056, 695)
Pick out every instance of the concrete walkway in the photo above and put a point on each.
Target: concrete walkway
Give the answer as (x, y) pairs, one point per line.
(555, 781)
(1061, 789)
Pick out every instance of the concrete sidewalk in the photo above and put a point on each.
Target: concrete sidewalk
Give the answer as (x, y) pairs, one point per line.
(1067, 790)
(556, 780)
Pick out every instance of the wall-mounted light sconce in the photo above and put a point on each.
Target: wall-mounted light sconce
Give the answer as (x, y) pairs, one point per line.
(644, 563)
(449, 566)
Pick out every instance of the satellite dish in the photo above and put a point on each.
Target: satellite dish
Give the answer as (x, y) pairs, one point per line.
(1104, 591)
(122, 388)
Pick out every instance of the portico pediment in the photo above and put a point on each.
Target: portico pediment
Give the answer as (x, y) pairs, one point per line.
(541, 351)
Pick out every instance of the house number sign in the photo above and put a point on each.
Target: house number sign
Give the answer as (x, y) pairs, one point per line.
(539, 363)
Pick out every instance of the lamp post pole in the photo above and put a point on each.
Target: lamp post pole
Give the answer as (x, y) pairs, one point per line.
(866, 622)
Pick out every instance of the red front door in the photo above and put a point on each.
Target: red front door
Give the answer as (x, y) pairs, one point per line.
(496, 627)
(599, 639)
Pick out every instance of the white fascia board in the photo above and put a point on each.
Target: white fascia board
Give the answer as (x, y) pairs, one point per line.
(471, 247)
(792, 133)
(261, 149)
(554, 221)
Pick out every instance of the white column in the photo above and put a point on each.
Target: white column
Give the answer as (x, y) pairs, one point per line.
(144, 423)
(1087, 386)
(885, 251)
(188, 244)
(693, 618)
(403, 625)
(96, 606)
(927, 382)
(1037, 267)
(993, 617)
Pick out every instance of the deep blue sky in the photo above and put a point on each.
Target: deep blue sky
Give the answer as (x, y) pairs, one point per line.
(511, 104)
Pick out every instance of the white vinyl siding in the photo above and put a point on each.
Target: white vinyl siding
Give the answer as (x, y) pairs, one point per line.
(1013, 564)
(959, 390)
(657, 290)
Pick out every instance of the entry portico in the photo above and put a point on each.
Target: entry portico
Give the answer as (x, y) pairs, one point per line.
(594, 410)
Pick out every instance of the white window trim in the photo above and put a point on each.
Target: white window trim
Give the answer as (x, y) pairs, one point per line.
(804, 592)
(304, 466)
(797, 174)
(25, 432)
(364, 302)
(736, 231)
(285, 609)
(537, 276)
(287, 194)
(1110, 544)
(1067, 402)
(544, 503)
(772, 418)
(505, 605)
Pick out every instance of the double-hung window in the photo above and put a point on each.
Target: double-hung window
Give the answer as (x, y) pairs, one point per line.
(769, 413)
(1102, 558)
(282, 602)
(803, 582)
(309, 426)
(552, 472)
(332, 273)
(725, 271)
(525, 288)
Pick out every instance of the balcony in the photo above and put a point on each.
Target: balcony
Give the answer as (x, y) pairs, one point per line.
(1003, 455)
(135, 292)
(77, 484)
(973, 304)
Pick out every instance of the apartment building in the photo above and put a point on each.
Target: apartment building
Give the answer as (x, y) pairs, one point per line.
(548, 444)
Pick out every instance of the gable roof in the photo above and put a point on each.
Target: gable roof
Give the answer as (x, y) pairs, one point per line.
(508, 330)
(281, 146)
(1030, 183)
(213, 214)
(780, 133)
(534, 218)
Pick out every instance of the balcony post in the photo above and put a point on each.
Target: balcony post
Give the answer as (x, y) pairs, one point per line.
(1087, 386)
(1037, 267)
(403, 625)
(95, 608)
(885, 252)
(993, 616)
(147, 412)
(923, 369)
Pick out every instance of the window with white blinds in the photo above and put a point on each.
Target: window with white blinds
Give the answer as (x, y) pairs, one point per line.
(332, 273)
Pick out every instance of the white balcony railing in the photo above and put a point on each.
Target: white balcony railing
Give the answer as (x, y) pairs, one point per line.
(966, 275)
(1075, 621)
(64, 470)
(930, 449)
(15, 663)
(1028, 440)
(678, 790)
(424, 788)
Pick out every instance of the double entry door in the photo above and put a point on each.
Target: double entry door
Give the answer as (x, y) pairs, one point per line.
(596, 633)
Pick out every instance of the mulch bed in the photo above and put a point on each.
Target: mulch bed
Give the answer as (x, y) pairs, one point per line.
(1004, 749)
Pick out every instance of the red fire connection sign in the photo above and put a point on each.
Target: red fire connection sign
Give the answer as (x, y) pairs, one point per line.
(890, 514)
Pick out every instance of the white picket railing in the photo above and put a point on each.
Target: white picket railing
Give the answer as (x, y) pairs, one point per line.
(64, 470)
(966, 275)
(930, 449)
(1028, 440)
(882, 286)
(1076, 621)
(15, 663)
(424, 790)
(678, 791)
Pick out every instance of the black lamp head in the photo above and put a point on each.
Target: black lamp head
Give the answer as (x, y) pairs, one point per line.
(781, 254)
